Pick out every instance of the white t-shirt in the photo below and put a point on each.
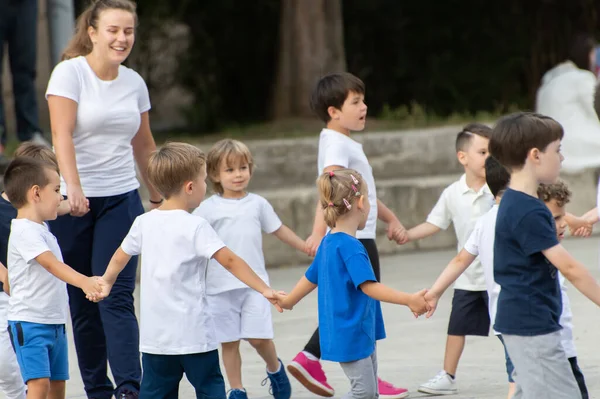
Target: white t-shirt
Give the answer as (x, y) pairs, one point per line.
(36, 295)
(175, 247)
(239, 223)
(108, 117)
(481, 243)
(337, 149)
(462, 206)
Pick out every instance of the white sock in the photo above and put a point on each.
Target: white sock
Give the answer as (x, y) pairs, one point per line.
(275, 372)
(310, 356)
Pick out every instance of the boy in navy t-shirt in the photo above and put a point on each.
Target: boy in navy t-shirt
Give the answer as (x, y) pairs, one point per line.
(527, 255)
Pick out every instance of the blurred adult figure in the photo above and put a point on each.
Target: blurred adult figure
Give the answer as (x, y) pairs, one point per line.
(567, 95)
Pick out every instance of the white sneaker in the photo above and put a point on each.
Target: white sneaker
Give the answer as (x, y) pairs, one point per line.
(441, 384)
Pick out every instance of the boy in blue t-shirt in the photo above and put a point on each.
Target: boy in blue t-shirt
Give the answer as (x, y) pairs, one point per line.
(527, 255)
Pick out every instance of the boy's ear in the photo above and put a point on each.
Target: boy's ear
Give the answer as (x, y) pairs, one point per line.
(188, 187)
(333, 112)
(462, 157)
(35, 191)
(534, 154)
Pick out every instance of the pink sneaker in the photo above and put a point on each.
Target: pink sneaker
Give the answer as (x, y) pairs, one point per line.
(310, 374)
(388, 391)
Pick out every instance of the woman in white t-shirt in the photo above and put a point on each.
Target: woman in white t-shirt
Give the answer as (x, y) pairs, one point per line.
(100, 129)
(567, 95)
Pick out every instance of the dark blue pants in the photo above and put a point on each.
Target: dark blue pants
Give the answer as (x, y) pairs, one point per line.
(162, 374)
(18, 28)
(108, 330)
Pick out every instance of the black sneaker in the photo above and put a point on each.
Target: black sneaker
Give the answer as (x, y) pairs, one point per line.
(127, 394)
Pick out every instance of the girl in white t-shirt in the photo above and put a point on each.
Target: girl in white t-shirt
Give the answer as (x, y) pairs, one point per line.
(100, 130)
(239, 218)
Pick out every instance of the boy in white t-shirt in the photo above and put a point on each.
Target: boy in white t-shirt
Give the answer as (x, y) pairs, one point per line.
(461, 204)
(38, 305)
(338, 100)
(177, 332)
(239, 218)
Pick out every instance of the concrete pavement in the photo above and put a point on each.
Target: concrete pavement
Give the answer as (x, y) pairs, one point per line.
(413, 351)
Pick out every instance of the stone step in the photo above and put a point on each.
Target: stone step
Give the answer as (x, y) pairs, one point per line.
(399, 154)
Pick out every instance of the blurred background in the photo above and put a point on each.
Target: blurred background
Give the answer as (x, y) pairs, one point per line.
(246, 67)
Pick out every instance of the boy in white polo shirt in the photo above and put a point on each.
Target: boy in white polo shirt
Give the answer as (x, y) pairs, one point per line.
(177, 332)
(38, 305)
(461, 204)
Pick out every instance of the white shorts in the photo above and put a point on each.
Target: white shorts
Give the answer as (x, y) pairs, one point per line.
(241, 314)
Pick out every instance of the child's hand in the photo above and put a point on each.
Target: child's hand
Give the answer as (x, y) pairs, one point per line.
(92, 288)
(580, 227)
(313, 241)
(308, 250)
(397, 232)
(417, 303)
(65, 208)
(275, 298)
(432, 301)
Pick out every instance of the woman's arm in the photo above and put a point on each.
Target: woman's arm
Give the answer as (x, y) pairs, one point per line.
(143, 145)
(63, 115)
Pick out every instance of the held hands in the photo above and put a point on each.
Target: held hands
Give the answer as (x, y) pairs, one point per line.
(580, 227)
(277, 299)
(432, 301)
(104, 290)
(417, 303)
(397, 232)
(92, 288)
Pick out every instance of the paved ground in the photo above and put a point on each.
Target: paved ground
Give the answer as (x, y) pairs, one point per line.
(413, 351)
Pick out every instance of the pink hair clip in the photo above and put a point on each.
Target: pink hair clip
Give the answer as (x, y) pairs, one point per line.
(354, 179)
(347, 204)
(356, 192)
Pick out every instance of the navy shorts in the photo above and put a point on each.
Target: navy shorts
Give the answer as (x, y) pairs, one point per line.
(162, 374)
(469, 315)
(509, 365)
(42, 350)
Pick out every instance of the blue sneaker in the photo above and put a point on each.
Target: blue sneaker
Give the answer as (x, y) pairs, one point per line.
(280, 383)
(237, 394)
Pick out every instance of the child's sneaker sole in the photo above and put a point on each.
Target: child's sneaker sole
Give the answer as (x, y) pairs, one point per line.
(437, 391)
(307, 381)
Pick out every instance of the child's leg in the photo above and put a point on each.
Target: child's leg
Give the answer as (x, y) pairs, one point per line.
(542, 369)
(266, 349)
(203, 372)
(469, 316)
(257, 328)
(11, 382)
(579, 377)
(363, 378)
(57, 390)
(162, 374)
(232, 361)
(38, 388)
(225, 309)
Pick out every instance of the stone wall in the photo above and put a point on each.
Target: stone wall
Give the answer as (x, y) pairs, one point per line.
(411, 170)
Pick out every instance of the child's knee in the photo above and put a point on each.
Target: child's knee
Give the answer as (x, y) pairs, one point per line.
(38, 388)
(259, 343)
(230, 346)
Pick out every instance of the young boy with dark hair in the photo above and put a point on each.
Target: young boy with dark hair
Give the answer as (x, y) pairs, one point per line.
(527, 256)
(461, 204)
(338, 100)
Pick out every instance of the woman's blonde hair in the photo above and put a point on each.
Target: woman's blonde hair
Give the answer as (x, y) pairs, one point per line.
(80, 43)
(230, 151)
(339, 190)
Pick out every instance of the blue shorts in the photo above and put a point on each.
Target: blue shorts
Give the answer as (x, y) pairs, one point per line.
(42, 350)
(509, 365)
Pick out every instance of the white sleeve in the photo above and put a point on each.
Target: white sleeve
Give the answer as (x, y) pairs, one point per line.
(132, 244)
(143, 97)
(440, 215)
(64, 81)
(334, 154)
(31, 244)
(269, 221)
(472, 244)
(206, 240)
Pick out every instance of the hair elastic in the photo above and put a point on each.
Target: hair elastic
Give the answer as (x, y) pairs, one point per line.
(331, 204)
(331, 174)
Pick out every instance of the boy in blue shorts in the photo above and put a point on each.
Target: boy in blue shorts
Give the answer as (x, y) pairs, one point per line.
(38, 305)
(527, 256)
